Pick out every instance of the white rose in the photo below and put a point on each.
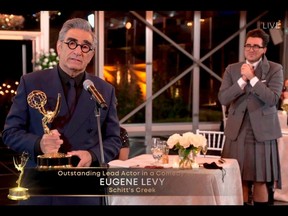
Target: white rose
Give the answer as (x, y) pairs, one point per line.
(173, 140)
(199, 140)
(185, 141)
(189, 136)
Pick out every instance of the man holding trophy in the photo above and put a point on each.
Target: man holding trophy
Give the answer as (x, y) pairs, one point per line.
(42, 123)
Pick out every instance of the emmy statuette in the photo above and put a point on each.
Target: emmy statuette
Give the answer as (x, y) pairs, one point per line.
(284, 105)
(37, 100)
(19, 193)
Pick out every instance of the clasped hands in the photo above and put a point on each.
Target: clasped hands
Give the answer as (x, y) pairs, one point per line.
(247, 72)
(51, 143)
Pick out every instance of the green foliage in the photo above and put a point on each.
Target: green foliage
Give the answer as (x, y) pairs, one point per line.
(46, 60)
(129, 96)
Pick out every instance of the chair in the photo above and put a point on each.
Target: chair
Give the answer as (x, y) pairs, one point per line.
(125, 148)
(215, 140)
(224, 115)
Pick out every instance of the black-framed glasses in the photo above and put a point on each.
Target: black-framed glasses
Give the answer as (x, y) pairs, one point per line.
(85, 48)
(254, 47)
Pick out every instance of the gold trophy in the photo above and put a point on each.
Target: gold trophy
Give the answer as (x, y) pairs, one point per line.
(37, 100)
(19, 193)
(284, 105)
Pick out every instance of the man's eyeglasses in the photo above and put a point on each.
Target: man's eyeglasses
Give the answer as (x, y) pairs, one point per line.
(254, 47)
(85, 48)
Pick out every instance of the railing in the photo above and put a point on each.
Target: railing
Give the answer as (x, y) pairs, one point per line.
(166, 129)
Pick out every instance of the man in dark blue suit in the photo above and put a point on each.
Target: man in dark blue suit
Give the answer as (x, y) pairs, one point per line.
(73, 133)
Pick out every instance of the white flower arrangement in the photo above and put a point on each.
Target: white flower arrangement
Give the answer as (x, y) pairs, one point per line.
(186, 144)
(46, 60)
(188, 141)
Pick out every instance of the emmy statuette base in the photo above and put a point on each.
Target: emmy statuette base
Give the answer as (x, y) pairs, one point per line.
(59, 160)
(18, 193)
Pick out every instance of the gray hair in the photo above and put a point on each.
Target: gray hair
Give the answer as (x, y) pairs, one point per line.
(77, 23)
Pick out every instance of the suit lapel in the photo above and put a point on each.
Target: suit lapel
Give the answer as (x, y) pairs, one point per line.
(258, 72)
(264, 68)
(52, 93)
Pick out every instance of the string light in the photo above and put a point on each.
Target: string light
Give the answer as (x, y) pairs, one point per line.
(8, 89)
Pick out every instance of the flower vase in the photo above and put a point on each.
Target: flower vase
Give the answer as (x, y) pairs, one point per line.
(186, 158)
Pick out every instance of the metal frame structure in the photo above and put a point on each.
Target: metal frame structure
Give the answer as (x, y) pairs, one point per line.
(41, 43)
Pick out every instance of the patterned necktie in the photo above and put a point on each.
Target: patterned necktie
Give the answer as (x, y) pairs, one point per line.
(71, 95)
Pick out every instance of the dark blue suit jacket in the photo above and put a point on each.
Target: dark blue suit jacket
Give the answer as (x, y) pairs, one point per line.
(23, 126)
